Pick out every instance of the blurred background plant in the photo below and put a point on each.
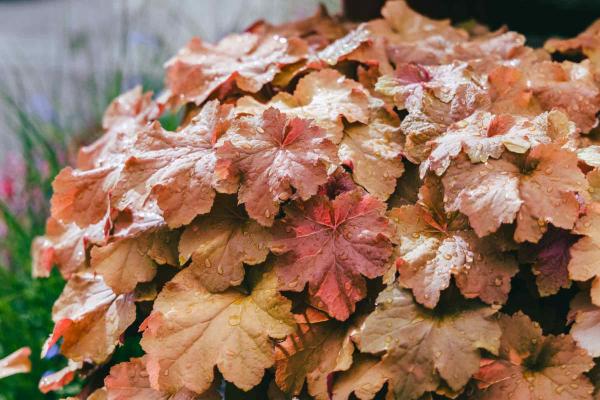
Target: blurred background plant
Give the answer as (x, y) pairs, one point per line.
(44, 133)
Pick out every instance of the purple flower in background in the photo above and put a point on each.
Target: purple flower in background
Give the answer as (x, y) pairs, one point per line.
(137, 38)
(41, 107)
(52, 352)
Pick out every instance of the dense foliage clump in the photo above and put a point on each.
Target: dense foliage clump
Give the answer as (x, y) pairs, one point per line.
(399, 209)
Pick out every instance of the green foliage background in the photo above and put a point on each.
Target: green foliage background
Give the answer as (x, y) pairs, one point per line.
(25, 303)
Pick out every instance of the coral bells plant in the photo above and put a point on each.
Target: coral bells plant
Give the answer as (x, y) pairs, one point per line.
(396, 209)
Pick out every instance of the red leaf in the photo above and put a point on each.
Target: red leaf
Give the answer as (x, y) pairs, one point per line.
(331, 245)
(275, 158)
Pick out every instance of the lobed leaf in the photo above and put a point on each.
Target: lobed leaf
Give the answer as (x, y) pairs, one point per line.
(323, 96)
(275, 158)
(90, 318)
(532, 366)
(246, 60)
(221, 242)
(540, 190)
(331, 245)
(130, 381)
(229, 330)
(312, 354)
(421, 348)
(584, 254)
(15, 363)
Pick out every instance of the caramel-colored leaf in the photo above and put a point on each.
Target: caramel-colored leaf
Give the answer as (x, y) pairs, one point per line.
(374, 152)
(422, 347)
(484, 135)
(342, 48)
(15, 363)
(126, 114)
(190, 331)
(541, 189)
(532, 366)
(83, 196)
(435, 97)
(65, 245)
(487, 193)
(431, 252)
(365, 379)
(569, 87)
(90, 318)
(247, 60)
(125, 263)
(455, 85)
(324, 97)
(586, 252)
(586, 324)
(312, 354)
(130, 381)
(221, 242)
(548, 192)
(402, 24)
(173, 172)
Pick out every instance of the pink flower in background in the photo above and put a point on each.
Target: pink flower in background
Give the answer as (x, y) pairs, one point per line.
(7, 188)
(12, 181)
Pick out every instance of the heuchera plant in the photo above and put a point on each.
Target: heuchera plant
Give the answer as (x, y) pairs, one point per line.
(397, 209)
